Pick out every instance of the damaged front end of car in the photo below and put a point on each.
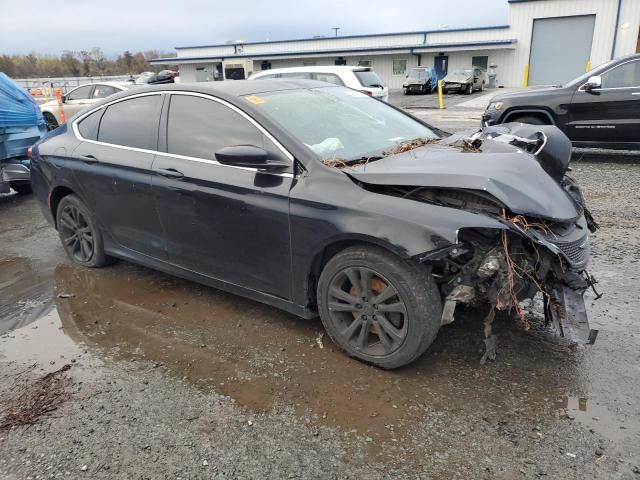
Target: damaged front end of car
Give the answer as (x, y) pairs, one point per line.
(536, 248)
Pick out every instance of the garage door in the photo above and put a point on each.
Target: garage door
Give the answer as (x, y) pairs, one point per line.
(560, 49)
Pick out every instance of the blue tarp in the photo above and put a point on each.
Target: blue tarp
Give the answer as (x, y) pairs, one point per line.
(17, 107)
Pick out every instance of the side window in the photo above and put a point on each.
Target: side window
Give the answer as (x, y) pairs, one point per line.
(298, 75)
(626, 75)
(198, 127)
(81, 93)
(88, 127)
(329, 78)
(102, 91)
(132, 123)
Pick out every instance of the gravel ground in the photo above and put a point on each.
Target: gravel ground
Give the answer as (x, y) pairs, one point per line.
(170, 379)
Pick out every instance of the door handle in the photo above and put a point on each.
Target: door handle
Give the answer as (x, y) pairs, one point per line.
(89, 159)
(170, 173)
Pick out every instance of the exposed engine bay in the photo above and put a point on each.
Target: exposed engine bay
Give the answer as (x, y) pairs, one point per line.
(530, 254)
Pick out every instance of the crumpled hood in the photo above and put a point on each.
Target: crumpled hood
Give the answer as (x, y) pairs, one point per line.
(513, 177)
(458, 77)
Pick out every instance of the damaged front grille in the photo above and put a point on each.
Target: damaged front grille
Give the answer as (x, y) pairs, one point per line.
(577, 251)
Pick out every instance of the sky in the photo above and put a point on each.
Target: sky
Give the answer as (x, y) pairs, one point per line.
(117, 25)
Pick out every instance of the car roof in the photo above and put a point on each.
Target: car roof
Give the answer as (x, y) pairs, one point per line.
(316, 68)
(231, 89)
(111, 84)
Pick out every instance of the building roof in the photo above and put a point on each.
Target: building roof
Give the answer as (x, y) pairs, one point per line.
(341, 51)
(312, 39)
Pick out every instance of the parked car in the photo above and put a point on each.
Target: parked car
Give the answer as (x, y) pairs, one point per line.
(466, 80)
(21, 125)
(363, 79)
(79, 98)
(317, 199)
(598, 109)
(420, 80)
(151, 78)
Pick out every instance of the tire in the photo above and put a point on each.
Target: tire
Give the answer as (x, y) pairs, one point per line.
(72, 219)
(469, 89)
(530, 119)
(50, 120)
(411, 312)
(405, 91)
(482, 87)
(22, 188)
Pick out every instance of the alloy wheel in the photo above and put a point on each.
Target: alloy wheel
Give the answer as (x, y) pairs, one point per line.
(368, 311)
(76, 234)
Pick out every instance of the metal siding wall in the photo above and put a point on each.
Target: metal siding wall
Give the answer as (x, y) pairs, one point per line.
(628, 38)
(470, 36)
(521, 16)
(188, 72)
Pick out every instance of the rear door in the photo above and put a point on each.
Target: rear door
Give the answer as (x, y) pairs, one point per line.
(611, 113)
(113, 168)
(225, 222)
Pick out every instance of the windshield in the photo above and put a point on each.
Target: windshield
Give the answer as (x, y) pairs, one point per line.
(340, 123)
(418, 74)
(369, 78)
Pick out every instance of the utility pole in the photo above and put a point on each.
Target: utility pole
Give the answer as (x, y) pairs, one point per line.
(335, 29)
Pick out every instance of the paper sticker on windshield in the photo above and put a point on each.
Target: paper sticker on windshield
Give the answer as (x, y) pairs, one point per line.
(255, 100)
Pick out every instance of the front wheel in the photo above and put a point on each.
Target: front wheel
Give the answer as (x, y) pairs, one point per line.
(469, 89)
(50, 121)
(79, 233)
(378, 307)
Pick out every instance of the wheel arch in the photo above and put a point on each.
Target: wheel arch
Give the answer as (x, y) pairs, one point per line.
(537, 112)
(55, 197)
(331, 249)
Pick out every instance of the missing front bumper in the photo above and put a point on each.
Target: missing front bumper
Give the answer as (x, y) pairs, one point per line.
(567, 312)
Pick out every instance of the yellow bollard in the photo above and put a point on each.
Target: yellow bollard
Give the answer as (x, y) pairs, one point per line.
(525, 81)
(440, 98)
(589, 66)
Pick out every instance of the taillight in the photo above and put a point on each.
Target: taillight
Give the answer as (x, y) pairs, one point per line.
(367, 92)
(30, 153)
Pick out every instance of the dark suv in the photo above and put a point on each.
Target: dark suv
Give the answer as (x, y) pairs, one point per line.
(598, 109)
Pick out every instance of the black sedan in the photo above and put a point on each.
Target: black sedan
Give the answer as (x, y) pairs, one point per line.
(598, 109)
(318, 199)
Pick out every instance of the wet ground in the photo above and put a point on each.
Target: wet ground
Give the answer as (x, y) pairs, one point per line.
(170, 379)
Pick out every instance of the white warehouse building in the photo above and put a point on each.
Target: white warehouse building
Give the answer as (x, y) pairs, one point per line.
(545, 42)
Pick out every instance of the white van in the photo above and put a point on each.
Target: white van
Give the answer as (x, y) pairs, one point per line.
(363, 79)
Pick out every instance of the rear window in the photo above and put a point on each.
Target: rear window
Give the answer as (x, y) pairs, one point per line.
(88, 127)
(132, 123)
(368, 78)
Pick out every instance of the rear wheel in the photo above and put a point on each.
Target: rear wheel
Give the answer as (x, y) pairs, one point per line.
(377, 307)
(50, 120)
(80, 234)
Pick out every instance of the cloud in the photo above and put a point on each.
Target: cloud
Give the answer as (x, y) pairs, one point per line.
(116, 25)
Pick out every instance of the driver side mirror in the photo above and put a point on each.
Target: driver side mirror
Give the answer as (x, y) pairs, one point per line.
(250, 157)
(593, 83)
(64, 99)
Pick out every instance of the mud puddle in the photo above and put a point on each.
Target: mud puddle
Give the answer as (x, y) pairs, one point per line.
(267, 359)
(600, 418)
(25, 292)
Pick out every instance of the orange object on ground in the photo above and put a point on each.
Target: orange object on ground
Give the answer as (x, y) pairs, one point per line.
(58, 94)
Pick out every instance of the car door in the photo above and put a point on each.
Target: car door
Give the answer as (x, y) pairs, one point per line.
(611, 113)
(225, 222)
(77, 99)
(112, 166)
